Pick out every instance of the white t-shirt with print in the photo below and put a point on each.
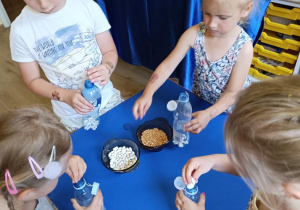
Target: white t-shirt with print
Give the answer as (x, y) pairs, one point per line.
(64, 44)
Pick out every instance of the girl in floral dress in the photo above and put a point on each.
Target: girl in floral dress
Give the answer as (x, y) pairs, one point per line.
(223, 53)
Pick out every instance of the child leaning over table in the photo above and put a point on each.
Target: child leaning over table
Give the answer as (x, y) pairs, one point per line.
(28, 137)
(262, 138)
(71, 42)
(223, 53)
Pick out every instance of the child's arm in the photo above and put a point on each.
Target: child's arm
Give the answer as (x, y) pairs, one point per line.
(235, 84)
(197, 166)
(102, 72)
(32, 78)
(163, 71)
(76, 168)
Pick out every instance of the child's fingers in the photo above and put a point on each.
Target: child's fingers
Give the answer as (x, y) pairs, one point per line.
(135, 111)
(97, 202)
(75, 204)
(81, 169)
(178, 201)
(201, 202)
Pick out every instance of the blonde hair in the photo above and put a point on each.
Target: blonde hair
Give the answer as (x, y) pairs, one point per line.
(28, 132)
(262, 137)
(242, 4)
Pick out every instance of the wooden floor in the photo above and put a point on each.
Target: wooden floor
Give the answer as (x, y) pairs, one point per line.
(127, 78)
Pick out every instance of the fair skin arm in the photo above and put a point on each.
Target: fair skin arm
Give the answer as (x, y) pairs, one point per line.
(163, 71)
(103, 72)
(235, 85)
(195, 167)
(32, 77)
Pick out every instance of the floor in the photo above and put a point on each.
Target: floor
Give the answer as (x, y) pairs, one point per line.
(129, 79)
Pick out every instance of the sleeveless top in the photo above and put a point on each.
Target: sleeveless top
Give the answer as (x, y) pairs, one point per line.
(252, 202)
(211, 78)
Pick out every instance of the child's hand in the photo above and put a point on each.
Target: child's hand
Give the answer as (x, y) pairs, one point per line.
(184, 203)
(197, 166)
(97, 203)
(76, 168)
(141, 106)
(78, 102)
(99, 74)
(200, 121)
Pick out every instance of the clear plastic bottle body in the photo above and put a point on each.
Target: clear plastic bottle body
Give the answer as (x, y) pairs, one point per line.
(192, 194)
(82, 193)
(181, 115)
(93, 95)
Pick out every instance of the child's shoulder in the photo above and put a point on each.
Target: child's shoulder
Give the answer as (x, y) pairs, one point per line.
(198, 28)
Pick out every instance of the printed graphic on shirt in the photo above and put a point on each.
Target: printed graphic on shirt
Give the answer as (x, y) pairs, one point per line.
(69, 52)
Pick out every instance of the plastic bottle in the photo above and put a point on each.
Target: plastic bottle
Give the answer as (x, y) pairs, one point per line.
(182, 115)
(191, 190)
(83, 193)
(93, 94)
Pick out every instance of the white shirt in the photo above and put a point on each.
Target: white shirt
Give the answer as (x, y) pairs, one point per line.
(64, 44)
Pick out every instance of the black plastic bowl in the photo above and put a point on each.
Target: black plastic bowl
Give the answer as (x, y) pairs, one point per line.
(112, 143)
(159, 123)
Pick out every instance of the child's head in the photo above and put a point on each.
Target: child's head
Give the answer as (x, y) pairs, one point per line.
(45, 6)
(222, 16)
(262, 138)
(30, 132)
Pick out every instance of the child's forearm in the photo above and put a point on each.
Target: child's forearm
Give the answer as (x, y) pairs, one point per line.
(222, 163)
(223, 103)
(159, 76)
(110, 60)
(43, 88)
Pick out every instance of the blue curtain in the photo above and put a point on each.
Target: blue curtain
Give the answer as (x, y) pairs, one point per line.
(146, 31)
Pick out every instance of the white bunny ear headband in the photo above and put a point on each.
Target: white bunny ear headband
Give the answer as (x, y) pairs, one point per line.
(51, 171)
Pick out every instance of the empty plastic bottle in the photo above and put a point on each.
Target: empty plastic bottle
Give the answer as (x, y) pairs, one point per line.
(190, 190)
(182, 115)
(93, 94)
(83, 193)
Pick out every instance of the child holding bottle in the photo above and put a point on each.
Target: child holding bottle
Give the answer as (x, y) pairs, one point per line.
(35, 150)
(70, 41)
(262, 138)
(223, 54)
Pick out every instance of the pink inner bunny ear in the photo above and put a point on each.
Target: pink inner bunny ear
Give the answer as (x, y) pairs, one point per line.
(8, 178)
(33, 163)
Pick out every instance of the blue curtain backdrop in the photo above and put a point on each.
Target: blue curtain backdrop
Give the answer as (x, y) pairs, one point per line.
(146, 31)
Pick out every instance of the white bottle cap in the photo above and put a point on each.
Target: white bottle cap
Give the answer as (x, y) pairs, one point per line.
(179, 183)
(192, 184)
(171, 105)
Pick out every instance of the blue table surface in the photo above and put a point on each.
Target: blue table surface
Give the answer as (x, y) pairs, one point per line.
(151, 186)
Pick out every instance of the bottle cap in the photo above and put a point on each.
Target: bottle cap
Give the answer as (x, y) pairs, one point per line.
(179, 183)
(80, 184)
(171, 105)
(95, 188)
(192, 184)
(88, 84)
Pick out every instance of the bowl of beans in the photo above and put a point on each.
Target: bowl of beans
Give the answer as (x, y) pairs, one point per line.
(154, 135)
(120, 155)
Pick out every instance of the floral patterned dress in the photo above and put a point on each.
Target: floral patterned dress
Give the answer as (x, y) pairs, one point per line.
(211, 78)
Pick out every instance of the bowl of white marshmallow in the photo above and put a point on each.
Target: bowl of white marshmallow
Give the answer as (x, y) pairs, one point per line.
(120, 155)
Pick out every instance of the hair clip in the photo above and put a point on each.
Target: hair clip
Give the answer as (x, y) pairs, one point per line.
(8, 178)
(51, 171)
